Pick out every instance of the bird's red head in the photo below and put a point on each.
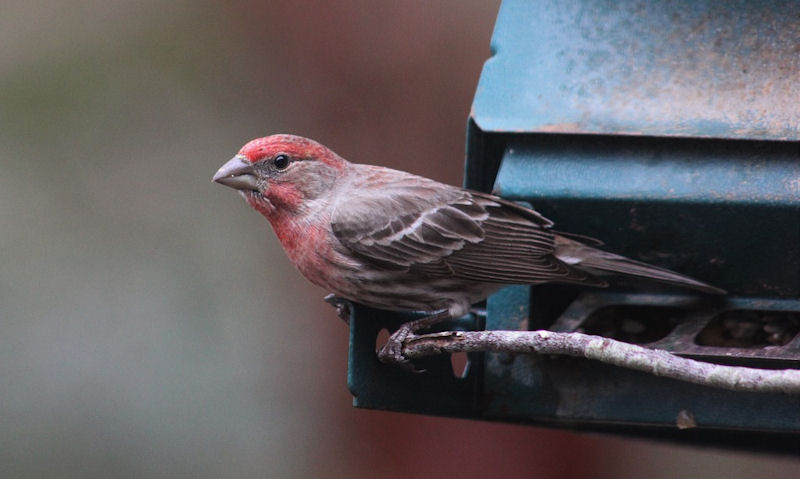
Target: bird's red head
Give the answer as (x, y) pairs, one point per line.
(295, 147)
(281, 172)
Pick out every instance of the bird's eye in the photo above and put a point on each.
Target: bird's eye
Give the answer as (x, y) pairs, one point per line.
(281, 162)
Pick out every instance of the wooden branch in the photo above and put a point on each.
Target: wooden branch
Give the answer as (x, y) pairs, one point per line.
(652, 361)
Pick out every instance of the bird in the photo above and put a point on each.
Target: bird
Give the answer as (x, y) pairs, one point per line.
(396, 241)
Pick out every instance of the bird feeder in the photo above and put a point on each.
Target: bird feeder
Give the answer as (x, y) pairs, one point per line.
(669, 130)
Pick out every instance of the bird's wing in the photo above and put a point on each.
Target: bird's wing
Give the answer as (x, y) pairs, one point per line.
(438, 230)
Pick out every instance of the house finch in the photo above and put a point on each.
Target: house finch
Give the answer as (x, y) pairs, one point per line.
(396, 241)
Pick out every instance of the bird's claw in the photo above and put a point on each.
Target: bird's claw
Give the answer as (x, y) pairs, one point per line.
(392, 351)
(343, 306)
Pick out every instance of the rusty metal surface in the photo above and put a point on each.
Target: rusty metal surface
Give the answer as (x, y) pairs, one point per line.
(726, 69)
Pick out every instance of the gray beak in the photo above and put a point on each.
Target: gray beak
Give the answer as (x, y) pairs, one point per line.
(238, 173)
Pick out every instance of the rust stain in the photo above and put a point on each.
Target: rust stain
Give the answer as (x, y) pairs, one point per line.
(562, 128)
(685, 419)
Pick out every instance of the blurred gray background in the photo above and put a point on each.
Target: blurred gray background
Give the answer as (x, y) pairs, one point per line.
(151, 325)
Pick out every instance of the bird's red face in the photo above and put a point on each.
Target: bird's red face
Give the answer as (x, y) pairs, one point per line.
(281, 172)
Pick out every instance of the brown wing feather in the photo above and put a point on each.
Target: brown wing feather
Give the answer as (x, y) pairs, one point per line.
(439, 230)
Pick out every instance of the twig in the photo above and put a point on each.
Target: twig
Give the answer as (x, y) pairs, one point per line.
(652, 361)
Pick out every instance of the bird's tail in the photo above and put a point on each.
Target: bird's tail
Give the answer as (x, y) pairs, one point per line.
(583, 256)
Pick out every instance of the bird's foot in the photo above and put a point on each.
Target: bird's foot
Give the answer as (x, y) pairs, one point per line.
(343, 306)
(392, 351)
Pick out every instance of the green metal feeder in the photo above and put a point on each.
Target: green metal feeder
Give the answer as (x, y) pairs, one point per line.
(670, 131)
